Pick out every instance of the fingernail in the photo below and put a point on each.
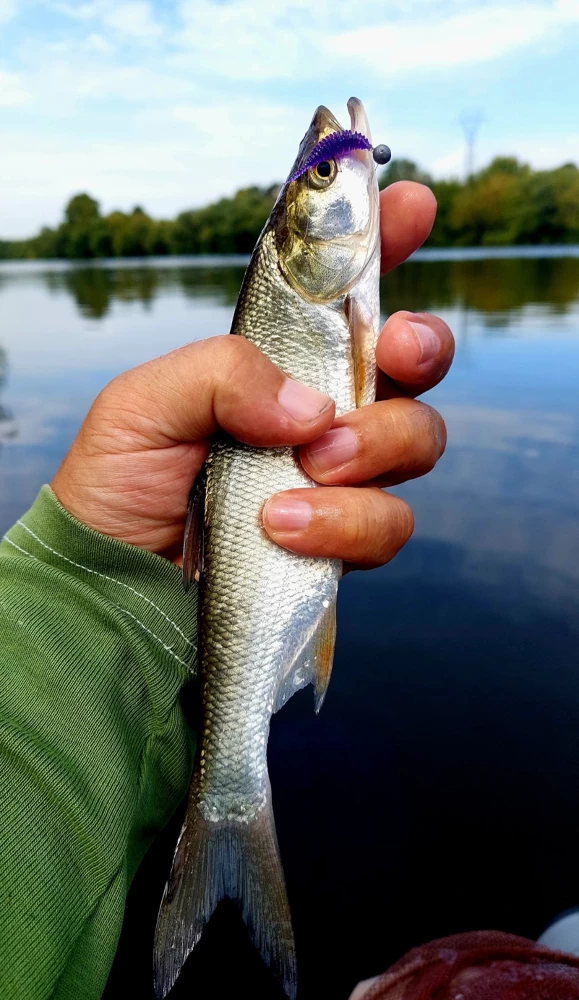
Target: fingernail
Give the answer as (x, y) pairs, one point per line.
(428, 342)
(301, 402)
(287, 515)
(333, 449)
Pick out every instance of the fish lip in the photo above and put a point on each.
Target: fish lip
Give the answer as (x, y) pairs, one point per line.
(358, 118)
(324, 122)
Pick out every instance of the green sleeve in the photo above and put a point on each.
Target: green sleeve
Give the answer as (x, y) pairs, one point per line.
(97, 640)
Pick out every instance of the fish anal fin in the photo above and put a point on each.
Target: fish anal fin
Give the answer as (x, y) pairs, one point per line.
(297, 677)
(323, 655)
(194, 537)
(362, 339)
(313, 663)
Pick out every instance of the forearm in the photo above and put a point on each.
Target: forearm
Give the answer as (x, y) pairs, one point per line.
(96, 644)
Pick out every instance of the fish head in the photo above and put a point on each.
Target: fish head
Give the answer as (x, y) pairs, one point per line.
(327, 219)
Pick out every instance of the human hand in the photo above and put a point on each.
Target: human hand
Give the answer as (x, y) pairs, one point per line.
(129, 472)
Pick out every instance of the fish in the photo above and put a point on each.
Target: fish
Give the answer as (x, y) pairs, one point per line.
(310, 302)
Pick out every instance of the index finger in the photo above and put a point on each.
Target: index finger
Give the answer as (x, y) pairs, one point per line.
(407, 213)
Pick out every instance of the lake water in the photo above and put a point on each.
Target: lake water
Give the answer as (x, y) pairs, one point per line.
(438, 789)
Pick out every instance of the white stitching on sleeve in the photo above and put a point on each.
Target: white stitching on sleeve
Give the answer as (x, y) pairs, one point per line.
(169, 649)
(111, 579)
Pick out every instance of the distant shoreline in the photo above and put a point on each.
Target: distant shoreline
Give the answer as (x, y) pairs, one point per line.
(504, 205)
(532, 252)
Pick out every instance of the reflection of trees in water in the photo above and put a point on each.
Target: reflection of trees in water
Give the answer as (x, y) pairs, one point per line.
(94, 289)
(7, 428)
(493, 288)
(487, 286)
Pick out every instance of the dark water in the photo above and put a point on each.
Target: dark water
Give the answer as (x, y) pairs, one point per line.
(438, 791)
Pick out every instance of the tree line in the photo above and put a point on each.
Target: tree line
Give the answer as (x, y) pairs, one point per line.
(506, 203)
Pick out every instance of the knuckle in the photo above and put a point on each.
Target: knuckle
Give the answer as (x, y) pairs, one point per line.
(242, 364)
(423, 440)
(235, 349)
(376, 527)
(365, 521)
(434, 437)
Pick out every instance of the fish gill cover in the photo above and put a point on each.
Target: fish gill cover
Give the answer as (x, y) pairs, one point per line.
(332, 146)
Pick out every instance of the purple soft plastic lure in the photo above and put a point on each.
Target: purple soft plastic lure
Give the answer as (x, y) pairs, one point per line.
(334, 145)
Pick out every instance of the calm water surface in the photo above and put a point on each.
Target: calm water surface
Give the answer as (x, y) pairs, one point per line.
(438, 791)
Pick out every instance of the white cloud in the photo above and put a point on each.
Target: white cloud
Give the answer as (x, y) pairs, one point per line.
(543, 151)
(125, 83)
(502, 430)
(134, 19)
(80, 12)
(287, 39)
(72, 74)
(252, 39)
(476, 35)
(12, 90)
(98, 43)
(7, 9)
(184, 165)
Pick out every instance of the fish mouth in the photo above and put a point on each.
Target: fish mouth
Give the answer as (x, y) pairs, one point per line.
(325, 123)
(322, 124)
(358, 118)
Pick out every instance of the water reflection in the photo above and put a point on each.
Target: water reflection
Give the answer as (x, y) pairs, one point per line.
(7, 425)
(495, 289)
(95, 289)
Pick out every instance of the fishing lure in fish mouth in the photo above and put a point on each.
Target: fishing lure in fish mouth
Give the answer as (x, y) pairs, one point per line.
(339, 144)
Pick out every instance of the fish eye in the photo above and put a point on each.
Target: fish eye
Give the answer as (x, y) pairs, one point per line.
(323, 173)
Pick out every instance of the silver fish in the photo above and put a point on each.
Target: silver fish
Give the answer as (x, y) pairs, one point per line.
(309, 301)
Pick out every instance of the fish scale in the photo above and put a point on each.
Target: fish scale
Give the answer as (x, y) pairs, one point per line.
(309, 301)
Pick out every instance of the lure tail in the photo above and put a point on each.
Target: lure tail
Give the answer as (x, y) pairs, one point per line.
(217, 860)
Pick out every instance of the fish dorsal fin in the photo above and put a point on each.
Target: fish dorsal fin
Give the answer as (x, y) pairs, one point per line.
(313, 664)
(194, 537)
(362, 339)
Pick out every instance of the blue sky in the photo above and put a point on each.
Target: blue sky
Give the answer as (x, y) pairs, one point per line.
(171, 103)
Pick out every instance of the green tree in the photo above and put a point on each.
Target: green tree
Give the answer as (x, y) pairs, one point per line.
(403, 170)
(81, 210)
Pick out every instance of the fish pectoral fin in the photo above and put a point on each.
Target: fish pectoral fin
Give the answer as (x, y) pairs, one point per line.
(194, 537)
(313, 664)
(362, 341)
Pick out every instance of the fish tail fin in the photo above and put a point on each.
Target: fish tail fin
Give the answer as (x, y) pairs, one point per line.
(217, 860)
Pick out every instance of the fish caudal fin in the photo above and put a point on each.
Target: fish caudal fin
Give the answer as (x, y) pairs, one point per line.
(217, 860)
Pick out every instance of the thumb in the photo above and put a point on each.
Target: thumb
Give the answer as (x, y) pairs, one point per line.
(223, 382)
